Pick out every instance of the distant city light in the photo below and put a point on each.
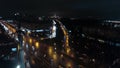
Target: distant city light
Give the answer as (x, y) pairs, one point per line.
(23, 29)
(117, 44)
(9, 20)
(70, 31)
(39, 30)
(26, 45)
(54, 22)
(29, 31)
(39, 18)
(17, 13)
(113, 21)
(54, 28)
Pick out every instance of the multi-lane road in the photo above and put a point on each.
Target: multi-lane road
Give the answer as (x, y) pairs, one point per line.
(49, 44)
(51, 52)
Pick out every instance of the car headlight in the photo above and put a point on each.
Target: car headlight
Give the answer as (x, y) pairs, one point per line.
(18, 66)
(14, 49)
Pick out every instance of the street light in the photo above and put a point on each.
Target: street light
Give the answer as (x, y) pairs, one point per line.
(50, 50)
(37, 44)
(30, 40)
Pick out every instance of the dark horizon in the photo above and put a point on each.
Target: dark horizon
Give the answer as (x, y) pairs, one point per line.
(103, 8)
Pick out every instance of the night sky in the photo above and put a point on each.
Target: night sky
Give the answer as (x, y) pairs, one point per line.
(104, 8)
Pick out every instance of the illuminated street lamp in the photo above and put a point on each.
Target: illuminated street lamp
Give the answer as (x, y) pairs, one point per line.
(30, 40)
(50, 51)
(68, 51)
(69, 65)
(37, 44)
(54, 56)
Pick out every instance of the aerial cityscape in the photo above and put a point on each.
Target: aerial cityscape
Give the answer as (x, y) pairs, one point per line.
(59, 34)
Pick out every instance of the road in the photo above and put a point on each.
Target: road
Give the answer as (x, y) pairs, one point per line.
(46, 53)
(51, 52)
(18, 62)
